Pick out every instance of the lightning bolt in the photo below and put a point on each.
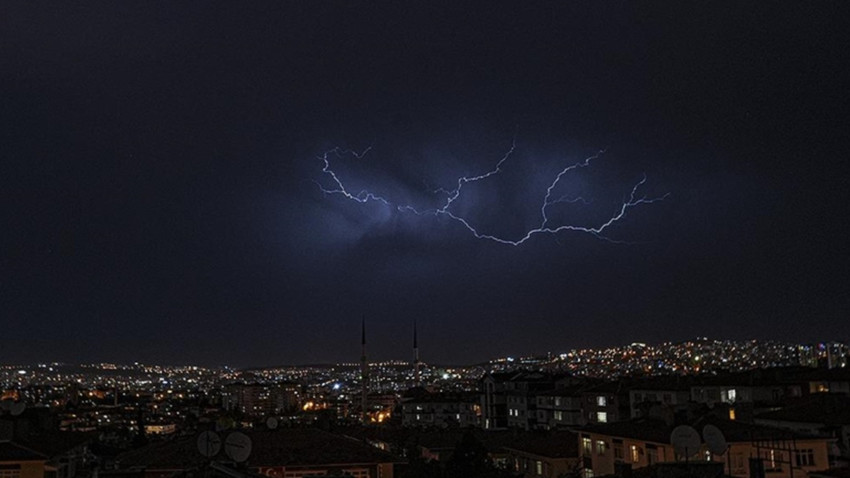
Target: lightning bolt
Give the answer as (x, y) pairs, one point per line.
(451, 195)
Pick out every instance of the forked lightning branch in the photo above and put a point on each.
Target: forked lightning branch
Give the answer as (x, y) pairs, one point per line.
(551, 198)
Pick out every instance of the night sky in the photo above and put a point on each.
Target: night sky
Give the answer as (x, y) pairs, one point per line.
(159, 165)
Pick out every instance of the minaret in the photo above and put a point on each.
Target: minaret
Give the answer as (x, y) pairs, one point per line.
(364, 371)
(416, 376)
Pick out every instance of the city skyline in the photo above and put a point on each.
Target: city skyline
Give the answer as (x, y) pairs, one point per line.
(221, 183)
(833, 354)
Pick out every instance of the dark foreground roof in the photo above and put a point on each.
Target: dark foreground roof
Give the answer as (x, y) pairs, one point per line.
(681, 470)
(55, 443)
(10, 451)
(281, 447)
(831, 473)
(658, 431)
(559, 444)
(826, 408)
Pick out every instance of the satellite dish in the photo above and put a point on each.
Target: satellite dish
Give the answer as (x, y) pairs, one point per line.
(209, 444)
(685, 440)
(271, 423)
(237, 446)
(714, 439)
(17, 408)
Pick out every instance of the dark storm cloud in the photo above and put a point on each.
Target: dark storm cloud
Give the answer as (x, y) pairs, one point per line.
(504, 202)
(157, 164)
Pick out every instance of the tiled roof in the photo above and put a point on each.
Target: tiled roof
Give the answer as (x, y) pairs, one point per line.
(642, 429)
(737, 431)
(552, 445)
(10, 451)
(658, 431)
(607, 387)
(281, 447)
(56, 442)
(832, 473)
(678, 470)
(823, 408)
(445, 398)
(571, 391)
(664, 383)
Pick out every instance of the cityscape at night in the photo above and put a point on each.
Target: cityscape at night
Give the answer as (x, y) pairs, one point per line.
(531, 414)
(424, 239)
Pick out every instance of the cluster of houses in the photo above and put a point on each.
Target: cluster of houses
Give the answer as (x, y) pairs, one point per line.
(771, 423)
(784, 422)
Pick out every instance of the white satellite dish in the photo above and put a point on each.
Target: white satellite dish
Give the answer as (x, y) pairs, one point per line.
(209, 444)
(17, 408)
(685, 440)
(714, 439)
(271, 423)
(237, 446)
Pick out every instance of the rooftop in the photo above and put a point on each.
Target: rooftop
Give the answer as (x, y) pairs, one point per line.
(658, 431)
(10, 451)
(823, 408)
(281, 447)
(551, 444)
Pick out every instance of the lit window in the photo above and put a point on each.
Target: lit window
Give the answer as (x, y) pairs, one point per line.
(601, 401)
(635, 453)
(586, 446)
(805, 457)
(602, 417)
(538, 467)
(773, 460)
(600, 447)
(731, 414)
(559, 415)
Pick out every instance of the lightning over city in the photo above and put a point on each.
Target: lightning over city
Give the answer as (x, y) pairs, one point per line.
(633, 199)
(239, 183)
(612, 230)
